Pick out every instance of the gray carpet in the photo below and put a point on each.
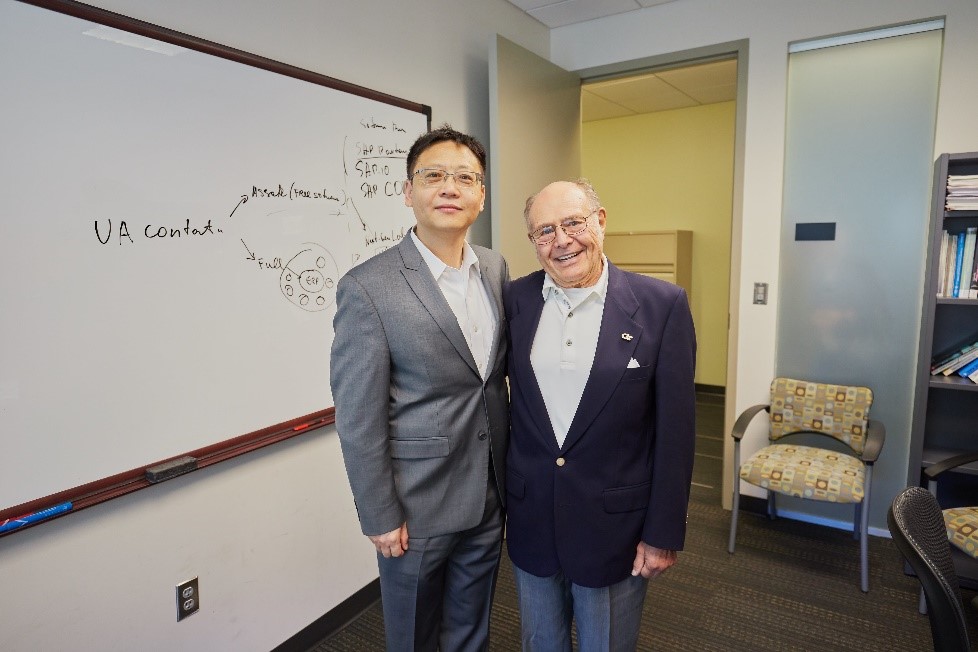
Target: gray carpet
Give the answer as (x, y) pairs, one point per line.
(790, 585)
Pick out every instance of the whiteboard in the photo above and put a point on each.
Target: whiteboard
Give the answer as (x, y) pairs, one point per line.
(172, 229)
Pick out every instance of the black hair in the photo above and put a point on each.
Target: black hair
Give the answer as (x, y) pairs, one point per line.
(444, 133)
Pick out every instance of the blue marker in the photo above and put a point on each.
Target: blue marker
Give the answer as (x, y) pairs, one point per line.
(21, 521)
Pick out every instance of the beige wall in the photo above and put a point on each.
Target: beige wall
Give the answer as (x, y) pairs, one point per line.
(674, 170)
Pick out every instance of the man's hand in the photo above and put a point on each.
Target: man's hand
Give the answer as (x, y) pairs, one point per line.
(651, 562)
(393, 543)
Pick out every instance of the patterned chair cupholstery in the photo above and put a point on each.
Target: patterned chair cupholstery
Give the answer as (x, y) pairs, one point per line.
(810, 472)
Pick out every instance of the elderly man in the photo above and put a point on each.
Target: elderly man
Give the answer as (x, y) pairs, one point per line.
(601, 446)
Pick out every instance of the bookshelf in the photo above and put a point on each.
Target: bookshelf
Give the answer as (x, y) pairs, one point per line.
(945, 411)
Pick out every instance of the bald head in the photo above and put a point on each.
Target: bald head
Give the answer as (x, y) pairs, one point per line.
(574, 257)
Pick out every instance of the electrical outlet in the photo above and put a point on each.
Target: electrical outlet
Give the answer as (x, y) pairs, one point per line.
(188, 599)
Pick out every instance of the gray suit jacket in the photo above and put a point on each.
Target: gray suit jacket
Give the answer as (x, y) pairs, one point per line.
(416, 422)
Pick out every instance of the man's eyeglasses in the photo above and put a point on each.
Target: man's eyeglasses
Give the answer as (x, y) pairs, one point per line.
(571, 226)
(436, 177)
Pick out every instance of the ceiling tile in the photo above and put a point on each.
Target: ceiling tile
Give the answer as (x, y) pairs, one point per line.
(708, 83)
(642, 94)
(595, 107)
(714, 73)
(713, 94)
(526, 5)
(631, 91)
(570, 12)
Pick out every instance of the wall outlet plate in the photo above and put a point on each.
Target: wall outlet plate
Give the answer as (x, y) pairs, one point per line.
(188, 599)
(760, 294)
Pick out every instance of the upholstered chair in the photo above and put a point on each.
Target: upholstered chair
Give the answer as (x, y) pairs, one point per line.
(841, 472)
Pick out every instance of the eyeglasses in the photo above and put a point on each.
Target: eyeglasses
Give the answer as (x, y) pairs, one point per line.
(571, 226)
(436, 177)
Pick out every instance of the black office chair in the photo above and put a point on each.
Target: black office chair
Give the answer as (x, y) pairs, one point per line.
(961, 522)
(917, 526)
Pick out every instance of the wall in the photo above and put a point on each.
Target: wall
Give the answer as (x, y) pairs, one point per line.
(674, 170)
(272, 535)
(769, 25)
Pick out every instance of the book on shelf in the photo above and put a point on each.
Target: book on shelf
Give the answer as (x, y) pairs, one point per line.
(973, 290)
(961, 361)
(958, 259)
(968, 369)
(973, 376)
(950, 254)
(942, 361)
(967, 260)
(942, 265)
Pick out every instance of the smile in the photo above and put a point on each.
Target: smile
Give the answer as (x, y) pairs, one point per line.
(567, 257)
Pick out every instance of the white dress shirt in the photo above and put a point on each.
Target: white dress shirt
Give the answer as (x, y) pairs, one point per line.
(564, 345)
(467, 297)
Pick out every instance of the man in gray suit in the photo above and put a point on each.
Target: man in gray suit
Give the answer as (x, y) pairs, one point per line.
(417, 371)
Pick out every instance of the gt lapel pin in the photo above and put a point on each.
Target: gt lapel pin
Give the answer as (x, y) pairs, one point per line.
(627, 337)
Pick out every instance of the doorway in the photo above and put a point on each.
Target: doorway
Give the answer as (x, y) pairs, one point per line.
(530, 112)
(658, 146)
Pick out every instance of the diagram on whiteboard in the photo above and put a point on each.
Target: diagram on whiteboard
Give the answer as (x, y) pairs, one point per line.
(309, 278)
(302, 222)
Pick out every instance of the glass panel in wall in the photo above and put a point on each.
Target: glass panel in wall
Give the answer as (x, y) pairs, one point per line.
(858, 161)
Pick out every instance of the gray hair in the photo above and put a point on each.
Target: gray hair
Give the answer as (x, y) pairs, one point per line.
(590, 194)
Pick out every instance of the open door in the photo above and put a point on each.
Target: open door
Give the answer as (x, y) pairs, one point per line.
(534, 138)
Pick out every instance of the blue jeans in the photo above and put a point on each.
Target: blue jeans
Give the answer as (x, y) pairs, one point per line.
(608, 618)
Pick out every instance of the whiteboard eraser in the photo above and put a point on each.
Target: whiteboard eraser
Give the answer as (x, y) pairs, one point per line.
(171, 469)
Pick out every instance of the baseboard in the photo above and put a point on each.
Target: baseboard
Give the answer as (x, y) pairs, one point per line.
(757, 505)
(334, 620)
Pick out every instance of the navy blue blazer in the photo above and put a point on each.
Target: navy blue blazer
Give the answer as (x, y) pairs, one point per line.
(624, 471)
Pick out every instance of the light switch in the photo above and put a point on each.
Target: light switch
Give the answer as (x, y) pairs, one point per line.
(760, 293)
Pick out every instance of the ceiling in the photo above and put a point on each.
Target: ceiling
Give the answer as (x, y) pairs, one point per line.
(554, 13)
(661, 90)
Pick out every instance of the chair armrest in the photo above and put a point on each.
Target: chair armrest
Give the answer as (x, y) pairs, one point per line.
(875, 434)
(935, 470)
(740, 426)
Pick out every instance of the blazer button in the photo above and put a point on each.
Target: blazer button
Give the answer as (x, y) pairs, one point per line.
(561, 461)
(482, 436)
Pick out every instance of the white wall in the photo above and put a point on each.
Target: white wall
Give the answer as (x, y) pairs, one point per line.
(272, 535)
(769, 26)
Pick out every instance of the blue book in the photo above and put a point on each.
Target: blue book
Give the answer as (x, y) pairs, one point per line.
(958, 261)
(968, 369)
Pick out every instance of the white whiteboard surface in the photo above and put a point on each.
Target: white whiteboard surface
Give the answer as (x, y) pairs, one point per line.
(172, 227)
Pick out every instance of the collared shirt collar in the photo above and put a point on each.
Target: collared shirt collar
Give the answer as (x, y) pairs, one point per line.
(437, 265)
(600, 289)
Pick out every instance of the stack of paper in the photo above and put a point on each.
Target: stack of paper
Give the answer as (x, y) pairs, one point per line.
(962, 192)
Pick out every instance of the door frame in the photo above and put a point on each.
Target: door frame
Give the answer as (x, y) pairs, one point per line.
(739, 50)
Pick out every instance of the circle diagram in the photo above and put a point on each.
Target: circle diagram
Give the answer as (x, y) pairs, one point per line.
(309, 278)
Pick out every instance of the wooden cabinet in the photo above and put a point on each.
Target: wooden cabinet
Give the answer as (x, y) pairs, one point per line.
(945, 411)
(663, 254)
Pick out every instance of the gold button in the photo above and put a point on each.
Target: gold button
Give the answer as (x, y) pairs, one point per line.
(561, 461)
